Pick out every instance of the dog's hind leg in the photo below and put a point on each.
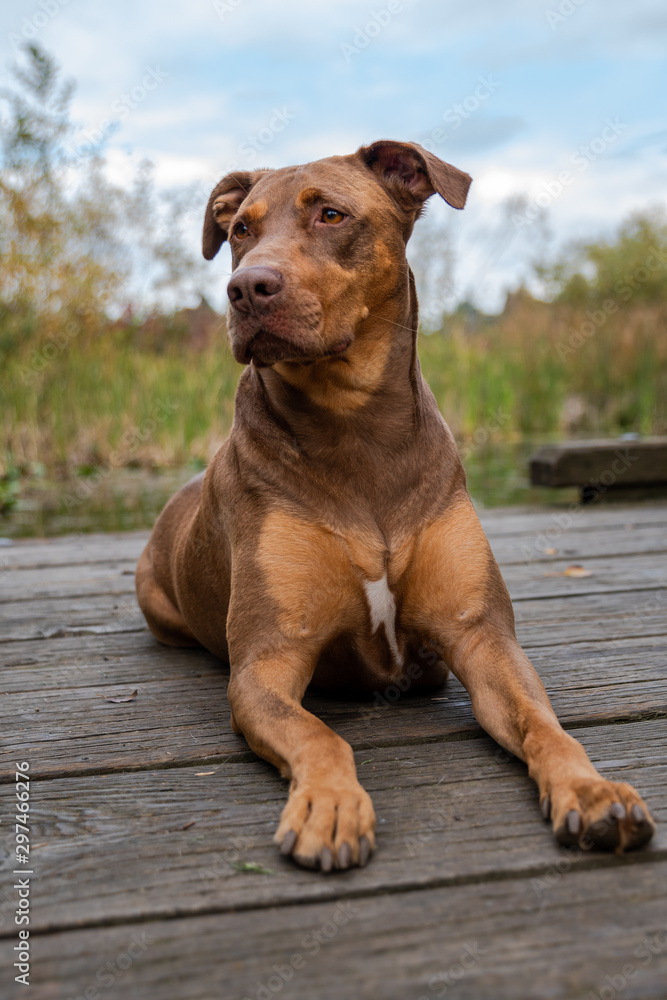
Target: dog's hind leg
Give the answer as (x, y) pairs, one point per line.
(164, 619)
(155, 577)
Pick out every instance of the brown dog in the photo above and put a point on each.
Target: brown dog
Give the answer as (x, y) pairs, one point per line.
(332, 536)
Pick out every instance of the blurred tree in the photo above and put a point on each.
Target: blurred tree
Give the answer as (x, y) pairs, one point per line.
(433, 260)
(631, 266)
(72, 244)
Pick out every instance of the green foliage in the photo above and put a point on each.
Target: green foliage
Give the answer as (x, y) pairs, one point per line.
(75, 248)
(630, 267)
(548, 369)
(83, 393)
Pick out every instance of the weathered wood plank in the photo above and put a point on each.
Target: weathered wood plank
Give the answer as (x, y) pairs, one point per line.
(57, 716)
(517, 520)
(499, 523)
(89, 660)
(578, 544)
(61, 616)
(447, 813)
(112, 846)
(524, 579)
(112, 577)
(611, 616)
(540, 620)
(491, 941)
(614, 463)
(128, 658)
(65, 550)
(608, 575)
(519, 546)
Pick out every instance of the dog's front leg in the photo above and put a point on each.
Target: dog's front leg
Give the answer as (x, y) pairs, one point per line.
(291, 595)
(455, 594)
(328, 821)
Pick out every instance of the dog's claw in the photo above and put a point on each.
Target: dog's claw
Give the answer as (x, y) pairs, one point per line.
(638, 814)
(569, 831)
(617, 811)
(545, 806)
(364, 851)
(326, 859)
(288, 842)
(644, 829)
(344, 855)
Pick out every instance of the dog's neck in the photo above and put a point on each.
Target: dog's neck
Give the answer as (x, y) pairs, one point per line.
(375, 391)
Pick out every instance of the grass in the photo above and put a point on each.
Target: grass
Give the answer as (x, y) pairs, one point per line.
(81, 397)
(547, 369)
(103, 402)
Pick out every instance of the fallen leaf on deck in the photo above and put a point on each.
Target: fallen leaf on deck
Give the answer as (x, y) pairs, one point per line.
(252, 866)
(574, 570)
(202, 774)
(188, 825)
(550, 552)
(117, 699)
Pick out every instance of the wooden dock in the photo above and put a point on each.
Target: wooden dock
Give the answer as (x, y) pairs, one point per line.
(155, 877)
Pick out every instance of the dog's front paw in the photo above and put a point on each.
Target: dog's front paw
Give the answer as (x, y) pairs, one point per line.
(598, 814)
(327, 825)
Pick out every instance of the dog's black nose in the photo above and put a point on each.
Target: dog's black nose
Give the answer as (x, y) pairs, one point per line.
(254, 287)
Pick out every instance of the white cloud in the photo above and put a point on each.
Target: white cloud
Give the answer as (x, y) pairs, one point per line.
(227, 74)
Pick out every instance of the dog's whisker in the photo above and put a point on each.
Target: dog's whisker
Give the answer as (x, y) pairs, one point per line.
(392, 322)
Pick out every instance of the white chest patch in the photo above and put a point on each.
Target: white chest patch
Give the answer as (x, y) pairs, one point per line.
(382, 606)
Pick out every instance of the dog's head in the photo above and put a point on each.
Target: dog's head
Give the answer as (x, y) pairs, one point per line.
(318, 248)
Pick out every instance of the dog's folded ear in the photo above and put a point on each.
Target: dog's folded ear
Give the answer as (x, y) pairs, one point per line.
(412, 174)
(222, 206)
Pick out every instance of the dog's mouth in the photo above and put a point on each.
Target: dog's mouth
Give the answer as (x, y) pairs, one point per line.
(289, 327)
(264, 348)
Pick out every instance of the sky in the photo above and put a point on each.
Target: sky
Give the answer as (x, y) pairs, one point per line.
(556, 108)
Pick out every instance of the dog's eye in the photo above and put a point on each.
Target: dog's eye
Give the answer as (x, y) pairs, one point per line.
(332, 216)
(241, 231)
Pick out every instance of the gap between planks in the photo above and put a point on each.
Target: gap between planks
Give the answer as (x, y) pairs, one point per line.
(592, 863)
(247, 756)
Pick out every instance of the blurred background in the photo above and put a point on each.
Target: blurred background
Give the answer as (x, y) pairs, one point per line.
(544, 303)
